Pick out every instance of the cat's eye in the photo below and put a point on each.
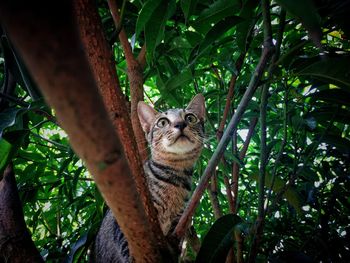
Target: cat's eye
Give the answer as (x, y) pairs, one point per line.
(162, 122)
(190, 118)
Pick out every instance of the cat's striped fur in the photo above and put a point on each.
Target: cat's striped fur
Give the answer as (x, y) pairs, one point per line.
(176, 139)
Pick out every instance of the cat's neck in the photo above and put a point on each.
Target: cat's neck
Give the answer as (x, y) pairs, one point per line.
(175, 161)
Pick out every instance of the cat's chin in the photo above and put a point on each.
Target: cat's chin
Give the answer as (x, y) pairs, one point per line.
(180, 146)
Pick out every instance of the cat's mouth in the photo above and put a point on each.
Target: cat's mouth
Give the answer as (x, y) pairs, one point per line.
(182, 137)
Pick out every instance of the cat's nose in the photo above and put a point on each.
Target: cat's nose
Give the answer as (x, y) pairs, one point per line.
(180, 125)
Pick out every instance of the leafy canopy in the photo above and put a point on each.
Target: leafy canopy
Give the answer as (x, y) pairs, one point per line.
(193, 46)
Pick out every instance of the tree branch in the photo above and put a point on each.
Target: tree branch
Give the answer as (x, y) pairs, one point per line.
(62, 72)
(232, 126)
(242, 154)
(280, 153)
(102, 63)
(135, 75)
(213, 196)
(229, 194)
(265, 4)
(229, 96)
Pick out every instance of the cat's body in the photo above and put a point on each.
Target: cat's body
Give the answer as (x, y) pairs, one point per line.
(176, 140)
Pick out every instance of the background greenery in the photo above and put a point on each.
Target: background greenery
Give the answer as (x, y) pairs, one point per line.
(192, 47)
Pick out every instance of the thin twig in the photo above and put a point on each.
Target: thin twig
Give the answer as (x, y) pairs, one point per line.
(295, 174)
(242, 154)
(263, 144)
(229, 96)
(14, 100)
(229, 194)
(213, 196)
(280, 153)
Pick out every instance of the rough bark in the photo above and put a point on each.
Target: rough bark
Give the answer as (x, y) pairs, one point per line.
(51, 49)
(135, 75)
(16, 244)
(102, 63)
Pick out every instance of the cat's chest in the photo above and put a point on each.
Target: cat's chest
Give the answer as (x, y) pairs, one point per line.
(169, 189)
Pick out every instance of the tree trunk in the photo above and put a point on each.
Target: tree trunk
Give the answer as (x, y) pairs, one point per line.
(101, 61)
(16, 244)
(46, 36)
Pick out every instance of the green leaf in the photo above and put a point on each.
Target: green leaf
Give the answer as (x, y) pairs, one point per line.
(8, 118)
(179, 80)
(305, 11)
(19, 69)
(324, 114)
(165, 92)
(35, 156)
(309, 174)
(5, 153)
(193, 37)
(217, 31)
(334, 70)
(188, 6)
(215, 13)
(292, 195)
(219, 240)
(244, 28)
(334, 96)
(342, 144)
(76, 247)
(213, 36)
(145, 15)
(154, 29)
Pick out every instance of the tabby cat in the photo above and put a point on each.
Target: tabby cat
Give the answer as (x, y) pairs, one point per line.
(176, 140)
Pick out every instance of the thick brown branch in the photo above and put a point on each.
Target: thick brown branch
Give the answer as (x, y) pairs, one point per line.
(101, 61)
(135, 75)
(62, 72)
(16, 244)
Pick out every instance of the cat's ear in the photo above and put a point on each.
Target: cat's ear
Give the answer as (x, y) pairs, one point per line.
(146, 116)
(197, 106)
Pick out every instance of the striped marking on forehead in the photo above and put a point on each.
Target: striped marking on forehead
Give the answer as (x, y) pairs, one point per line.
(174, 114)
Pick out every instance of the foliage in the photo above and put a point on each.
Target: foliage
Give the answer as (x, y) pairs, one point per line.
(192, 47)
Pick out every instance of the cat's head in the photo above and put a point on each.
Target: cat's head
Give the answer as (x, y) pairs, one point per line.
(176, 131)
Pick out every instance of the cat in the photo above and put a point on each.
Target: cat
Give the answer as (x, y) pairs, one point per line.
(175, 138)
